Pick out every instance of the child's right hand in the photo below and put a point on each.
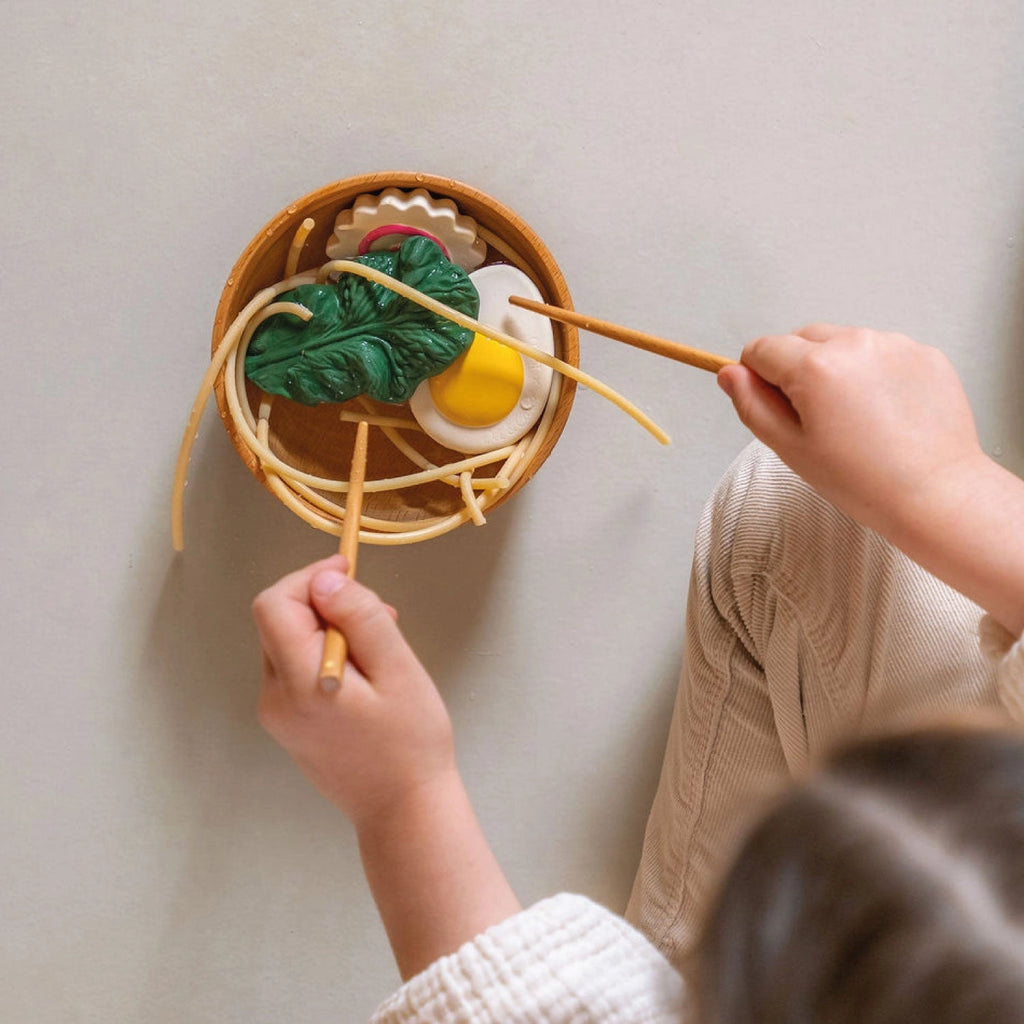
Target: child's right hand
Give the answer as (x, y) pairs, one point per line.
(877, 423)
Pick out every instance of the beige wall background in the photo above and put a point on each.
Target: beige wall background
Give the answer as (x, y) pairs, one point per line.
(707, 172)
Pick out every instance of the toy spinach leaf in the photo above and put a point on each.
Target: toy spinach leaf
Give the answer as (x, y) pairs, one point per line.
(364, 338)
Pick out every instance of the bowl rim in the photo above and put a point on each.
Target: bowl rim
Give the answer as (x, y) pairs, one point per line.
(497, 219)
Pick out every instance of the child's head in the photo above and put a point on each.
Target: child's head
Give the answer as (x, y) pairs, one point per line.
(888, 888)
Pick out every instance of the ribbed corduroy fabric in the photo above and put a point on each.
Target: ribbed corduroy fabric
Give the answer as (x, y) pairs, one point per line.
(564, 960)
(803, 628)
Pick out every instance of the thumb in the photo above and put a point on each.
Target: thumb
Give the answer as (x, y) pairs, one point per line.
(761, 407)
(375, 643)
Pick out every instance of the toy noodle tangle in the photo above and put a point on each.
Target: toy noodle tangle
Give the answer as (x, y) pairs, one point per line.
(300, 491)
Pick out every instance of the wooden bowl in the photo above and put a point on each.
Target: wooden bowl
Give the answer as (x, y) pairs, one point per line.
(315, 440)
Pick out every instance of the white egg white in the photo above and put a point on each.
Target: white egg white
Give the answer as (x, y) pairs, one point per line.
(496, 283)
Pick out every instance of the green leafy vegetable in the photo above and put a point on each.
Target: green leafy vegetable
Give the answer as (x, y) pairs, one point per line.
(364, 338)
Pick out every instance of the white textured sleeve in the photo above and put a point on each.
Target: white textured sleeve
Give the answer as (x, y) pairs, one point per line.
(564, 960)
(1008, 653)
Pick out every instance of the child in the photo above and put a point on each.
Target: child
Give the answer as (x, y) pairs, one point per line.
(803, 627)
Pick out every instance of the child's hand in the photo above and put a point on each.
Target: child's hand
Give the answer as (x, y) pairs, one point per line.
(877, 423)
(385, 733)
(381, 748)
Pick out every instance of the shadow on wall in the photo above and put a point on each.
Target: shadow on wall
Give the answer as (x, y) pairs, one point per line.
(613, 819)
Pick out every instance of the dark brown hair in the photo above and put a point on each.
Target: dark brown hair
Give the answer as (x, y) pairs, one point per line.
(888, 888)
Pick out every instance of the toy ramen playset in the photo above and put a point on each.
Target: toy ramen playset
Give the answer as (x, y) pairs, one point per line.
(401, 301)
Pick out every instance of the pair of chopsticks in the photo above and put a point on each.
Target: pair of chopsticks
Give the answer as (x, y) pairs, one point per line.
(332, 665)
(648, 342)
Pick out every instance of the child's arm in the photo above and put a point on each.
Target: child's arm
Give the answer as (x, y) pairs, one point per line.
(381, 749)
(881, 427)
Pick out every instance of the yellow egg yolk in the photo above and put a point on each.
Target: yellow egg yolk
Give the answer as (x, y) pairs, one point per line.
(482, 386)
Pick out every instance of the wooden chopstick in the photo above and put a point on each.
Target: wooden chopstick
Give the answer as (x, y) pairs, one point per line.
(332, 665)
(648, 342)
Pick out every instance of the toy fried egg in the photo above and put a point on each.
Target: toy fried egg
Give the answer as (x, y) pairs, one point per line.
(490, 396)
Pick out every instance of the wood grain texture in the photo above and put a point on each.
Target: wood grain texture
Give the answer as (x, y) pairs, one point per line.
(332, 665)
(638, 339)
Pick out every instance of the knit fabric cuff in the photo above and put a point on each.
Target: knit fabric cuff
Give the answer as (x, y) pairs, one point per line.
(1007, 651)
(564, 959)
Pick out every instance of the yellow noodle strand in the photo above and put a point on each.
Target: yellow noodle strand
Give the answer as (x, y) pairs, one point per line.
(227, 345)
(411, 536)
(407, 449)
(566, 369)
(246, 425)
(465, 482)
(285, 480)
(375, 420)
(317, 500)
(291, 264)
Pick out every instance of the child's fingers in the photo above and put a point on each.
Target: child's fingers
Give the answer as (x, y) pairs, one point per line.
(776, 357)
(820, 332)
(761, 407)
(285, 626)
(285, 619)
(375, 643)
(296, 584)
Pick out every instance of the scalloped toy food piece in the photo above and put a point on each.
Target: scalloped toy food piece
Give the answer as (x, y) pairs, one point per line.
(439, 218)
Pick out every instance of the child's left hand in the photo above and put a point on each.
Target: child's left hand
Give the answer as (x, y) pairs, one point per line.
(381, 748)
(385, 733)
